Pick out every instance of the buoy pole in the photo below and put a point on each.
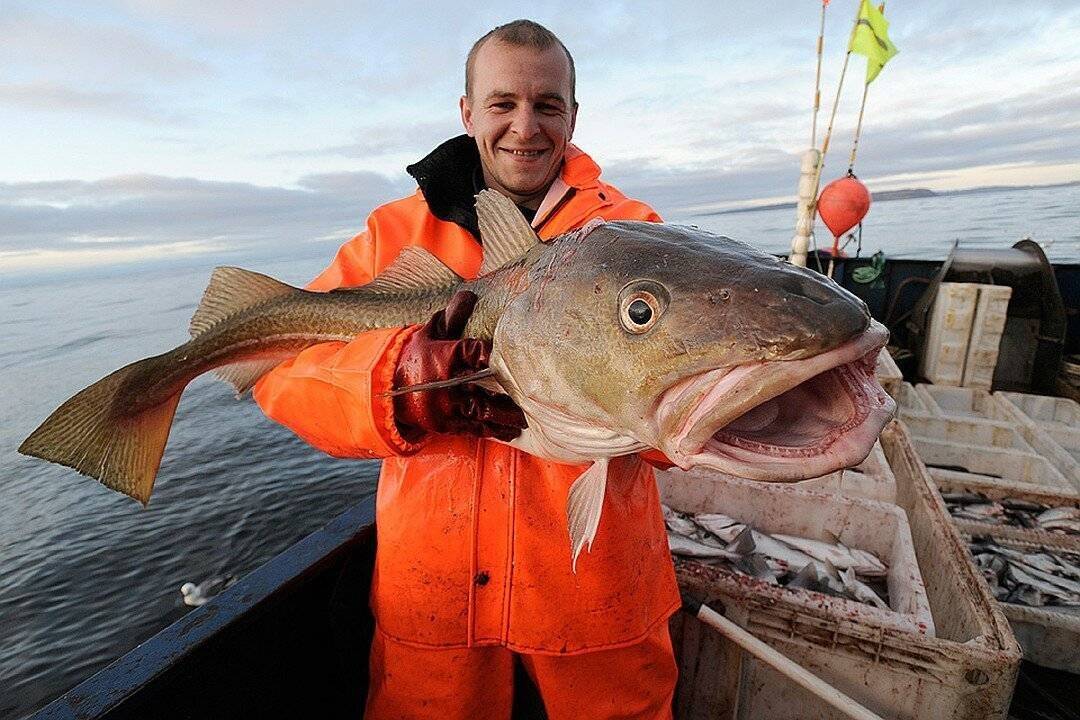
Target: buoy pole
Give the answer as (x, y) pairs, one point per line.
(858, 129)
(817, 77)
(804, 211)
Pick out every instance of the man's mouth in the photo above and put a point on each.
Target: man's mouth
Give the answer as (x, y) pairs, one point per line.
(524, 154)
(781, 421)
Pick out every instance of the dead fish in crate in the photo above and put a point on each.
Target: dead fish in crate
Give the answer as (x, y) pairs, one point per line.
(1013, 511)
(795, 552)
(791, 562)
(1060, 519)
(1038, 579)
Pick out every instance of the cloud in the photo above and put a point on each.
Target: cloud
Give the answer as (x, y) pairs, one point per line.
(124, 218)
(54, 98)
(39, 44)
(381, 140)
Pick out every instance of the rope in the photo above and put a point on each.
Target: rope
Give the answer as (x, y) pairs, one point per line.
(858, 130)
(858, 125)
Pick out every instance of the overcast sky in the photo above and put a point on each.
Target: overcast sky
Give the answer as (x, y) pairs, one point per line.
(158, 128)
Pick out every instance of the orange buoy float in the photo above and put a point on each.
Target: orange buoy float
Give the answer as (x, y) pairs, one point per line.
(843, 204)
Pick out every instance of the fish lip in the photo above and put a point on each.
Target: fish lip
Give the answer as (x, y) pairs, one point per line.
(712, 400)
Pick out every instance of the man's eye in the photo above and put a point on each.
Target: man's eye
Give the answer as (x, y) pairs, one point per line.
(503, 106)
(549, 109)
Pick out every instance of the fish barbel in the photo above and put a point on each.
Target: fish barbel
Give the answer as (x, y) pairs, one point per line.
(614, 338)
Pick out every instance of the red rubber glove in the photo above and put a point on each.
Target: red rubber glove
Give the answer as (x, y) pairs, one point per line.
(438, 352)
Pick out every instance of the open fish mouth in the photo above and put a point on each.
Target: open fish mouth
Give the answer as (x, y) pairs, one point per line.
(781, 421)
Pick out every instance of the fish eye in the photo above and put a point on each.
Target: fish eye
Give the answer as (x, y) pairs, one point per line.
(641, 305)
(639, 312)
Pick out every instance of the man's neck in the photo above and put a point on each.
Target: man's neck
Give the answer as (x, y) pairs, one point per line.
(531, 201)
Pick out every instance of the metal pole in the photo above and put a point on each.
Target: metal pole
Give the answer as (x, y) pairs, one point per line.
(784, 665)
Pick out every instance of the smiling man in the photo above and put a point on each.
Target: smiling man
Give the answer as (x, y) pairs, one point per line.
(472, 571)
(521, 153)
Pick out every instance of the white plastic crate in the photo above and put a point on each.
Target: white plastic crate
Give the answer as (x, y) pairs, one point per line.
(907, 398)
(1046, 409)
(887, 372)
(1053, 427)
(943, 475)
(871, 479)
(949, 330)
(962, 482)
(1057, 417)
(1048, 636)
(962, 402)
(991, 310)
(966, 672)
(1005, 463)
(877, 527)
(966, 430)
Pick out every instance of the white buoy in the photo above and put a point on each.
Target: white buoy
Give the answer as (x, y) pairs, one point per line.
(804, 213)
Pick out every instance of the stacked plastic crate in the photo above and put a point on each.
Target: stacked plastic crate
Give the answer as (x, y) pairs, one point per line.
(944, 644)
(964, 333)
(1008, 448)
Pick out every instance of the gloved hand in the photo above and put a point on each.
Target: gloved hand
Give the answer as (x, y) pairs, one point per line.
(438, 352)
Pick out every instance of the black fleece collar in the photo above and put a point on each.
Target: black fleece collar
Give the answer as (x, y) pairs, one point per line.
(447, 179)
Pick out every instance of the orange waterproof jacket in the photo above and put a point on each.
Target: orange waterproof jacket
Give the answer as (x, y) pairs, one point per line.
(473, 547)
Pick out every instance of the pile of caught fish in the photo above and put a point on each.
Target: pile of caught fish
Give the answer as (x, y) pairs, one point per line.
(1044, 577)
(791, 562)
(1013, 511)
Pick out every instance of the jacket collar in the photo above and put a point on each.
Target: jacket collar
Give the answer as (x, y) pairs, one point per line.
(445, 177)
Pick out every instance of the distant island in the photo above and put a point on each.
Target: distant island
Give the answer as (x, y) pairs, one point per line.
(902, 194)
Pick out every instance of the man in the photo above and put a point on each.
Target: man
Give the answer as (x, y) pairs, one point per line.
(473, 565)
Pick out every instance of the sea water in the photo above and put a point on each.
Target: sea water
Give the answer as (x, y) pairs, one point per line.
(87, 574)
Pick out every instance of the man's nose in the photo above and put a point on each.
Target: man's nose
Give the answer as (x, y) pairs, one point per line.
(526, 124)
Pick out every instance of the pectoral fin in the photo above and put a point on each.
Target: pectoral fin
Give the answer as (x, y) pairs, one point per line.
(583, 507)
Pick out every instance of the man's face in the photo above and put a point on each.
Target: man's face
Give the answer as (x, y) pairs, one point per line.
(522, 116)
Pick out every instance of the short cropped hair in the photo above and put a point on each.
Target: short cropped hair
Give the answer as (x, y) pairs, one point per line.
(520, 33)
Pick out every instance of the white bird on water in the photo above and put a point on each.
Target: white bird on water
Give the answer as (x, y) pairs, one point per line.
(204, 592)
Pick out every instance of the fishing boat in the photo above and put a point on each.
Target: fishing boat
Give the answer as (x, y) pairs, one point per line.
(291, 639)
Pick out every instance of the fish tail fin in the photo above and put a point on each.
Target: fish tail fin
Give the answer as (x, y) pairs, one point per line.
(122, 451)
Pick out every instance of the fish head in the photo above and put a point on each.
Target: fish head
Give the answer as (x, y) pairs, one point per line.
(718, 354)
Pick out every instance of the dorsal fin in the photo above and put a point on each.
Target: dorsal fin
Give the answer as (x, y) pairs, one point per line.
(232, 289)
(505, 232)
(414, 268)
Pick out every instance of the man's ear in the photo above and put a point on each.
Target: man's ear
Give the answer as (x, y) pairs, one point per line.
(573, 121)
(466, 114)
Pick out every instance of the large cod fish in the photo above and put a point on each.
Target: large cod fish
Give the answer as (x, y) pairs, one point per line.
(614, 338)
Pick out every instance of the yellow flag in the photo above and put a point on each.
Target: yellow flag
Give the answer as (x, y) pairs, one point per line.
(871, 38)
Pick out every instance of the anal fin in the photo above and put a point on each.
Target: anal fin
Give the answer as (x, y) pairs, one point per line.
(583, 507)
(244, 374)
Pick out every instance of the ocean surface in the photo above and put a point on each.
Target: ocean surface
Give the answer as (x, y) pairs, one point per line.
(86, 574)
